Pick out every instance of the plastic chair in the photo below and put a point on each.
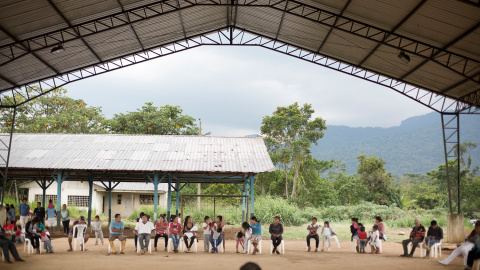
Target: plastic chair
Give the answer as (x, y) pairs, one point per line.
(119, 243)
(81, 239)
(282, 247)
(28, 245)
(478, 264)
(183, 248)
(336, 240)
(170, 245)
(251, 245)
(436, 250)
(410, 245)
(149, 246)
(355, 245)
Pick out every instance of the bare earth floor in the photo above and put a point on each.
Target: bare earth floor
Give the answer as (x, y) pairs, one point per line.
(296, 258)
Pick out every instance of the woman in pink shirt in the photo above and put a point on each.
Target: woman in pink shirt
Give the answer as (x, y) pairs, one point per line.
(161, 231)
(381, 228)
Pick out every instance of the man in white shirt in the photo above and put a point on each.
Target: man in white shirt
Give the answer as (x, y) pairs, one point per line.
(144, 229)
(313, 233)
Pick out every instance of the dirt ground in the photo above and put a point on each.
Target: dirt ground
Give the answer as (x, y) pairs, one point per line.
(96, 257)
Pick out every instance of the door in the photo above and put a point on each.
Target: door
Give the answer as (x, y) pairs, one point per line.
(128, 205)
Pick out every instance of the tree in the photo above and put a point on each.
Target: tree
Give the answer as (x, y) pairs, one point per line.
(290, 131)
(166, 120)
(57, 113)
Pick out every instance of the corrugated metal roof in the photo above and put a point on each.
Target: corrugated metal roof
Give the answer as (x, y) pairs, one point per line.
(135, 186)
(140, 153)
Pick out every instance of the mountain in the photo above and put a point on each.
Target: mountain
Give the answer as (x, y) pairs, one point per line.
(416, 146)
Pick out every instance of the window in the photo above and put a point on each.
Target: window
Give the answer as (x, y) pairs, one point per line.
(80, 201)
(119, 199)
(147, 199)
(39, 198)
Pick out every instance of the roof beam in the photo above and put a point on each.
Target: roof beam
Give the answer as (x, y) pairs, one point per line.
(410, 14)
(76, 31)
(179, 11)
(29, 51)
(455, 85)
(444, 48)
(131, 26)
(8, 81)
(335, 23)
(281, 20)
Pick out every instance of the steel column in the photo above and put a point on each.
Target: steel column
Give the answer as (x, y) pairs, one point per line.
(177, 195)
(451, 144)
(243, 202)
(90, 192)
(169, 196)
(252, 194)
(109, 201)
(44, 191)
(59, 181)
(155, 197)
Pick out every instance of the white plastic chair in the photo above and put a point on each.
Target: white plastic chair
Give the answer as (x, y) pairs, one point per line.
(170, 245)
(28, 245)
(282, 247)
(119, 245)
(220, 247)
(79, 236)
(410, 245)
(436, 250)
(355, 245)
(183, 248)
(149, 246)
(251, 245)
(336, 240)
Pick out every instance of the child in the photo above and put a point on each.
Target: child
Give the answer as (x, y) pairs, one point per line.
(363, 239)
(216, 237)
(97, 228)
(240, 240)
(47, 244)
(19, 237)
(207, 231)
(248, 235)
(375, 240)
(327, 233)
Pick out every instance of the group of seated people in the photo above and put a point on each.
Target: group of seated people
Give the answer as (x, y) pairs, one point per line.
(373, 237)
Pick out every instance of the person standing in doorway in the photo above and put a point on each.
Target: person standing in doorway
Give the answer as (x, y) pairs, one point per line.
(23, 209)
(65, 215)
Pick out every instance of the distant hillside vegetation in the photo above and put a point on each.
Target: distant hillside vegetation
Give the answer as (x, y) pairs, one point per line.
(416, 146)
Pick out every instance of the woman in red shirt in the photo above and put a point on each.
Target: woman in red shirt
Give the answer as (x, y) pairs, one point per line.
(8, 229)
(161, 231)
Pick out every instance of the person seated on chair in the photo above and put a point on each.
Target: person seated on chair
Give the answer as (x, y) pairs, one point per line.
(136, 236)
(416, 237)
(9, 230)
(474, 254)
(187, 226)
(116, 232)
(32, 233)
(312, 233)
(71, 234)
(7, 247)
(327, 234)
(144, 230)
(216, 237)
(434, 236)
(276, 230)
(161, 228)
(175, 229)
(463, 249)
(256, 226)
(19, 236)
(247, 231)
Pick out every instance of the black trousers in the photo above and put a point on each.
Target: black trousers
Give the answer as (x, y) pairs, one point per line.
(7, 246)
(317, 240)
(415, 243)
(136, 239)
(66, 226)
(472, 256)
(164, 236)
(185, 239)
(35, 240)
(276, 241)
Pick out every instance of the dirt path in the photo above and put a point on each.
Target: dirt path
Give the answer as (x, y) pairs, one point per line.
(296, 258)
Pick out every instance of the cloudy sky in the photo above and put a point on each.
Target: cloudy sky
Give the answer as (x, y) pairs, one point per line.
(232, 88)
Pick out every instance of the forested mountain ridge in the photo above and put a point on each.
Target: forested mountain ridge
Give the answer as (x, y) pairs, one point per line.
(416, 146)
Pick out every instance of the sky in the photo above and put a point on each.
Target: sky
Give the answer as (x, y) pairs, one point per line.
(232, 88)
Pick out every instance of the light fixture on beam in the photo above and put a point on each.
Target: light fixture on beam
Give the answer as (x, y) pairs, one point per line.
(404, 57)
(57, 49)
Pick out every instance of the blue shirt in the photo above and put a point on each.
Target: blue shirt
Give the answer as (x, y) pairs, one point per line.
(256, 228)
(24, 208)
(12, 213)
(116, 226)
(51, 212)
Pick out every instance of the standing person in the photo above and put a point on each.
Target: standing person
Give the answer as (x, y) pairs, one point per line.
(381, 228)
(51, 214)
(175, 229)
(463, 249)
(327, 233)
(216, 237)
(7, 247)
(312, 233)
(97, 228)
(256, 233)
(375, 240)
(71, 235)
(23, 210)
(180, 218)
(416, 236)
(187, 233)
(355, 229)
(474, 254)
(32, 234)
(144, 230)
(162, 232)
(40, 212)
(362, 235)
(65, 215)
(116, 232)
(9, 230)
(434, 236)
(240, 240)
(12, 215)
(207, 231)
(247, 230)
(276, 231)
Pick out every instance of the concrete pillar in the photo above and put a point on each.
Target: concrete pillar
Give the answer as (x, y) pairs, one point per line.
(59, 197)
(90, 193)
(455, 230)
(3, 216)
